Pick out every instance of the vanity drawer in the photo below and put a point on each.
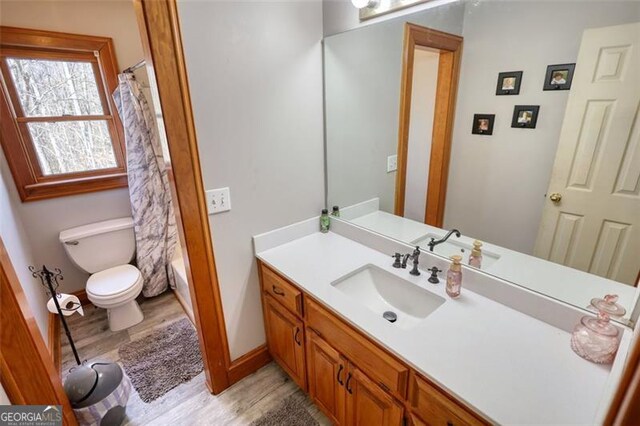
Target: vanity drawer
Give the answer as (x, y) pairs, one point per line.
(281, 290)
(385, 370)
(435, 408)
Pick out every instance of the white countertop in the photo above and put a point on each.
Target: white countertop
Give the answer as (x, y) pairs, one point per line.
(511, 367)
(567, 284)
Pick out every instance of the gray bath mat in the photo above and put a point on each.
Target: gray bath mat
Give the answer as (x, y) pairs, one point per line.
(291, 412)
(162, 360)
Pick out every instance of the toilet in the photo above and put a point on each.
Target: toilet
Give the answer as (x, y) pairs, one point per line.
(104, 250)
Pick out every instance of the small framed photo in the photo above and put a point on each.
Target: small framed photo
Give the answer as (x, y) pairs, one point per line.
(559, 77)
(525, 116)
(509, 83)
(483, 124)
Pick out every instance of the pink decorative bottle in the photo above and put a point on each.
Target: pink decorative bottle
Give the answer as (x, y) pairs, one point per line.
(475, 258)
(595, 339)
(454, 277)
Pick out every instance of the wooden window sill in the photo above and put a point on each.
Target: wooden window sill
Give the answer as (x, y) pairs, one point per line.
(73, 186)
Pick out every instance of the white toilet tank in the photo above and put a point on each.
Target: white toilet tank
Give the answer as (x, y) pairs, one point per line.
(102, 245)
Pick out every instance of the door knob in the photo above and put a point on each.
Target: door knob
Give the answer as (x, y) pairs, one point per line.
(555, 197)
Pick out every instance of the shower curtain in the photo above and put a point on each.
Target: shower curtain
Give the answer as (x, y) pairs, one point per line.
(153, 217)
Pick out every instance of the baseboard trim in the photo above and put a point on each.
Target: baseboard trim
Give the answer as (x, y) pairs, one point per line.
(53, 337)
(82, 296)
(185, 306)
(249, 363)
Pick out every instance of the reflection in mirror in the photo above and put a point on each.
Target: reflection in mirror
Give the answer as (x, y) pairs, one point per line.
(527, 140)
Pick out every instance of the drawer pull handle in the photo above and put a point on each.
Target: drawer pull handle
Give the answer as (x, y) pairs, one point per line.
(295, 336)
(349, 381)
(449, 423)
(277, 291)
(338, 376)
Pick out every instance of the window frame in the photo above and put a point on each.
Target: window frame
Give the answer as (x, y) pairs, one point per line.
(16, 141)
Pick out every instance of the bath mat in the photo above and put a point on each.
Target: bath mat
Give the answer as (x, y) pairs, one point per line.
(291, 412)
(162, 360)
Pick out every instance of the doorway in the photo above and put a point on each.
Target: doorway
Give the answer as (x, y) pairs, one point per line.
(28, 372)
(429, 51)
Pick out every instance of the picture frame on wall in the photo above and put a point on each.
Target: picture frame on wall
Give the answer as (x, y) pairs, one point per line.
(559, 77)
(509, 83)
(483, 124)
(525, 116)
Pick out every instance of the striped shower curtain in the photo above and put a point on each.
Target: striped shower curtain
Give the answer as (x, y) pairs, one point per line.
(151, 206)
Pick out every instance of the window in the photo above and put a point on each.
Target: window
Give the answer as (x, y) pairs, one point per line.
(60, 130)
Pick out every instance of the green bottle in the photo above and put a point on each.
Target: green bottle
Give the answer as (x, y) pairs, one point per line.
(324, 221)
(336, 211)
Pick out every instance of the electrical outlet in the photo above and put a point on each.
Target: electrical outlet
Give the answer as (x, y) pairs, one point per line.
(218, 200)
(392, 163)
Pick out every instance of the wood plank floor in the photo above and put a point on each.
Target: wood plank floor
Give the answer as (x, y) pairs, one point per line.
(190, 403)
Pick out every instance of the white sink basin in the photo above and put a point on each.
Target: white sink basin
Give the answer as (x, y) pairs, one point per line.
(453, 246)
(382, 291)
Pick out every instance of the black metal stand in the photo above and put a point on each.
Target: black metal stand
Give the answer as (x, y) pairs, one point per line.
(50, 282)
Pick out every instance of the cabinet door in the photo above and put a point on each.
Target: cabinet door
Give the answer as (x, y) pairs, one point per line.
(368, 404)
(327, 375)
(285, 337)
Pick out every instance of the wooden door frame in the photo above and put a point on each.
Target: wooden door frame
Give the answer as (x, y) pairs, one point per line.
(164, 57)
(450, 47)
(28, 372)
(625, 407)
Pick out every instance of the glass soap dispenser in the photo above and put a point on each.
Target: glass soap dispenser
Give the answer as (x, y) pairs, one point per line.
(454, 277)
(324, 221)
(475, 259)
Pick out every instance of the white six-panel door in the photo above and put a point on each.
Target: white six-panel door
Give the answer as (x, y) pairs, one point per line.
(595, 226)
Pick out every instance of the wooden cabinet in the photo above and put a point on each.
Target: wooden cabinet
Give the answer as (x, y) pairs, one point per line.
(343, 392)
(285, 338)
(276, 286)
(327, 374)
(354, 381)
(434, 407)
(387, 371)
(368, 404)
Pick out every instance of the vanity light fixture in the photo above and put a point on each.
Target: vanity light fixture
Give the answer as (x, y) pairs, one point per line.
(374, 8)
(361, 4)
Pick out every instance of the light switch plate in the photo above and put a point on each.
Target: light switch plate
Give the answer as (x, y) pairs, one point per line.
(392, 163)
(218, 200)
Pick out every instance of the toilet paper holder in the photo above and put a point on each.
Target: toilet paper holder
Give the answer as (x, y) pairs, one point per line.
(49, 281)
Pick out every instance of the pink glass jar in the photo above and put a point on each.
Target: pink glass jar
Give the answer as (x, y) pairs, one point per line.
(607, 305)
(595, 339)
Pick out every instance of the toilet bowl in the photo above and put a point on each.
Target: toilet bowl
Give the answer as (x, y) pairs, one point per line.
(104, 250)
(115, 289)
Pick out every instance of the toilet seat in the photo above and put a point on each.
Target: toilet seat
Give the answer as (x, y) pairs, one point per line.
(114, 286)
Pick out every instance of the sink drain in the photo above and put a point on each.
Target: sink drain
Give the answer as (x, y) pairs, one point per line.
(390, 316)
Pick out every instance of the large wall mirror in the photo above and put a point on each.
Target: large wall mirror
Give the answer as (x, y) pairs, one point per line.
(515, 123)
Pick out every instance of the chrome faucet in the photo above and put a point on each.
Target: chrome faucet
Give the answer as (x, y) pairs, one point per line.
(435, 242)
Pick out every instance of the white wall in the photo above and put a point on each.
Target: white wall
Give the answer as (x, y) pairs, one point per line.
(13, 235)
(43, 220)
(497, 183)
(255, 73)
(362, 86)
(423, 100)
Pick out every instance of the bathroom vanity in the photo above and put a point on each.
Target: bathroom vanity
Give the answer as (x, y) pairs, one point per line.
(423, 137)
(497, 354)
